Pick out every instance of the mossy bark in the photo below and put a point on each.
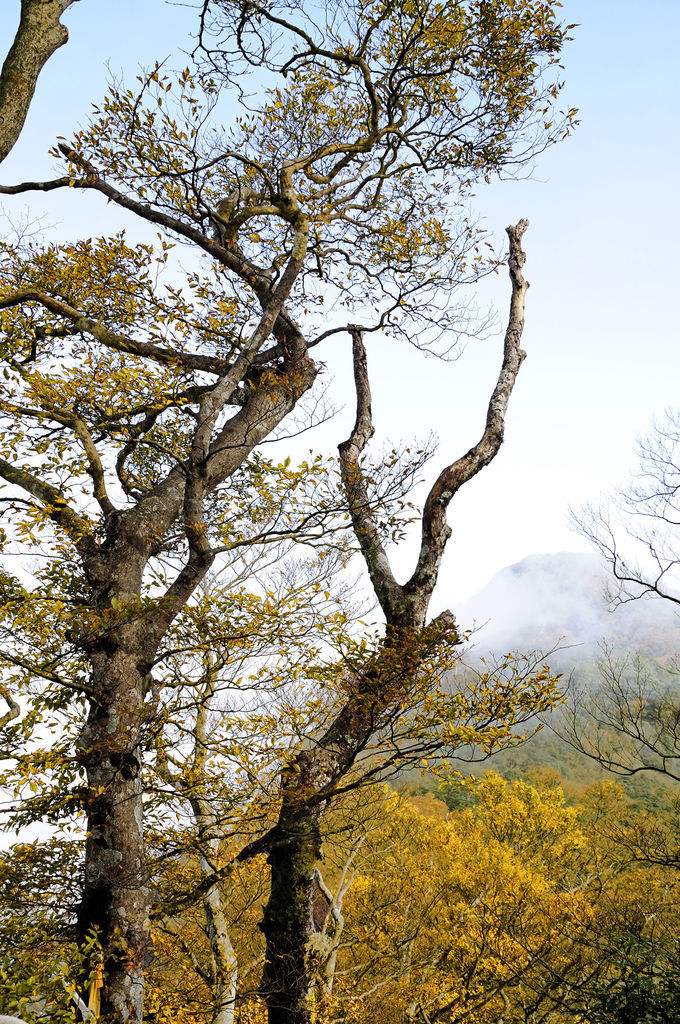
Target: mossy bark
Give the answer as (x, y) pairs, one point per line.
(288, 922)
(116, 897)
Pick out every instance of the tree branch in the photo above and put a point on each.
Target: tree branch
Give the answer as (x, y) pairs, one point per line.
(95, 466)
(74, 525)
(386, 587)
(14, 709)
(435, 530)
(113, 340)
(412, 599)
(39, 35)
(274, 318)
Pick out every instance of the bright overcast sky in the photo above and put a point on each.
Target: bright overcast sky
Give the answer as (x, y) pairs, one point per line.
(602, 259)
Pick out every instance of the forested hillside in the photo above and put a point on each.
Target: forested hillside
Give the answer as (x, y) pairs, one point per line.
(563, 606)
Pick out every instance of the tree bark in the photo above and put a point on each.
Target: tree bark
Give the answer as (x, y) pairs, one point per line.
(39, 35)
(115, 904)
(116, 899)
(225, 963)
(288, 921)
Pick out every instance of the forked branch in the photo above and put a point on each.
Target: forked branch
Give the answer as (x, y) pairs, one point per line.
(410, 601)
(435, 529)
(354, 482)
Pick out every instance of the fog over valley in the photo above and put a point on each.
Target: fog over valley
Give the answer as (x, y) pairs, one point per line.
(561, 599)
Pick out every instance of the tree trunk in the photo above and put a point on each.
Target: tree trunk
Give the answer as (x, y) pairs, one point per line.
(326, 941)
(223, 955)
(116, 895)
(289, 921)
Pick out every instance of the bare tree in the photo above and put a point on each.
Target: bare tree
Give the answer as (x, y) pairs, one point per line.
(630, 721)
(633, 723)
(638, 532)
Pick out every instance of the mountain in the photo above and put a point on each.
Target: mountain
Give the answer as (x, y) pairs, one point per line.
(560, 599)
(551, 600)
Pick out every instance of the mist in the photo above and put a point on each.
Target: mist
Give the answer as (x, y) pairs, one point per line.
(560, 600)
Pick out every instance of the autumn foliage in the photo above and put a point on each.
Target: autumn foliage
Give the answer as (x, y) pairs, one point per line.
(190, 682)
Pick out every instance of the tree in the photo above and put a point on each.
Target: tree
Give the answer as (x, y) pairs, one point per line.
(423, 915)
(630, 724)
(636, 926)
(637, 532)
(632, 719)
(134, 403)
(642, 989)
(39, 35)
(38, 885)
(225, 781)
(466, 917)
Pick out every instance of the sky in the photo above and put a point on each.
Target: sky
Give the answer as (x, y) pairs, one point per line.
(602, 260)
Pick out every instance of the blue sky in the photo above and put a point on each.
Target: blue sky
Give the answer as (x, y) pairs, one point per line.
(602, 258)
